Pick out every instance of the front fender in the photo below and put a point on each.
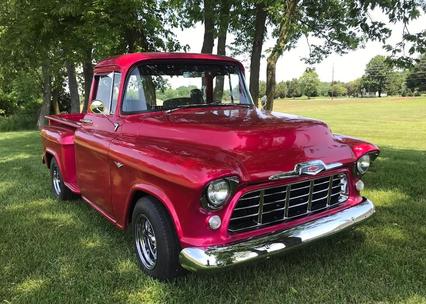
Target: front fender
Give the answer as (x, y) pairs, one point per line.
(359, 147)
(158, 194)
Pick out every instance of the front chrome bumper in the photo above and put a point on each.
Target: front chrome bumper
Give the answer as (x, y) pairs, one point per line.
(196, 258)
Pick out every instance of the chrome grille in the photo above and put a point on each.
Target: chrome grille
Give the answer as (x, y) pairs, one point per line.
(269, 206)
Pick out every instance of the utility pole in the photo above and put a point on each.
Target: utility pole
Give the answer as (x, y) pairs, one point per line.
(332, 81)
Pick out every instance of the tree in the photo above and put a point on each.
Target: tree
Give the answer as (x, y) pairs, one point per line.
(337, 88)
(354, 87)
(377, 74)
(51, 36)
(223, 24)
(256, 49)
(395, 83)
(324, 88)
(294, 89)
(281, 90)
(285, 32)
(339, 25)
(249, 39)
(416, 78)
(309, 83)
(209, 22)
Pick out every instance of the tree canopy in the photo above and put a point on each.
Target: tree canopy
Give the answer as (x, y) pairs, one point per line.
(310, 83)
(48, 48)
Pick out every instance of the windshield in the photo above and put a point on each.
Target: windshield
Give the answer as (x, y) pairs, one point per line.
(166, 86)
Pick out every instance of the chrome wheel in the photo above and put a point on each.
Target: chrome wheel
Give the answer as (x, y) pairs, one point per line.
(146, 243)
(56, 178)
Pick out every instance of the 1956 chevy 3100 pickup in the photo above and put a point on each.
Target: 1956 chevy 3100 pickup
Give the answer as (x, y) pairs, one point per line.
(173, 147)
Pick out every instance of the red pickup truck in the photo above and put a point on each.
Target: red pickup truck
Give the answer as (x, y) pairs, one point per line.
(173, 147)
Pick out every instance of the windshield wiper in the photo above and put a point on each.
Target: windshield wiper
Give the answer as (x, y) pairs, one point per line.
(244, 105)
(186, 107)
(215, 104)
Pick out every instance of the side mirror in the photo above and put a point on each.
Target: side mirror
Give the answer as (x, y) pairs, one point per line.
(97, 107)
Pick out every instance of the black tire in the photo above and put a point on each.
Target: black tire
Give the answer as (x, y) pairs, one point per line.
(165, 264)
(59, 190)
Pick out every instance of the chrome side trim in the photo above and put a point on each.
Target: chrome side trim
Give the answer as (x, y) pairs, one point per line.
(305, 169)
(197, 258)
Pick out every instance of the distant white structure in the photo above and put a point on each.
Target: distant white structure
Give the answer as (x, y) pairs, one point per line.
(364, 93)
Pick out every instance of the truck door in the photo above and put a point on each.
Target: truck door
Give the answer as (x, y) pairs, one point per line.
(92, 143)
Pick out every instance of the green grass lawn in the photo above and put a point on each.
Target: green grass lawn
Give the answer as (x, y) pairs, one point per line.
(53, 252)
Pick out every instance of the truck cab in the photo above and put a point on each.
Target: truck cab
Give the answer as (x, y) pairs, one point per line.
(173, 148)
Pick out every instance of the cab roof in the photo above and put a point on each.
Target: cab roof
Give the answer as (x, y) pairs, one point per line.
(123, 62)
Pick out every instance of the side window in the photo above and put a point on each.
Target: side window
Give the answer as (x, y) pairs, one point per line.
(115, 90)
(107, 92)
(103, 93)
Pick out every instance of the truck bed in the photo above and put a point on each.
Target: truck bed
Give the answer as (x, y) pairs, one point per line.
(58, 141)
(70, 120)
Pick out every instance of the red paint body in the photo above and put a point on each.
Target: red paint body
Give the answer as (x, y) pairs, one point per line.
(173, 156)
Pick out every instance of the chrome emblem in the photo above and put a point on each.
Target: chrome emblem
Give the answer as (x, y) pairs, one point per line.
(308, 168)
(118, 164)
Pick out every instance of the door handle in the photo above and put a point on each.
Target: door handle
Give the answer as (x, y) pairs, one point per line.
(86, 121)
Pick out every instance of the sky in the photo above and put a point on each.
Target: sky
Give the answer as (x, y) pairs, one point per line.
(347, 67)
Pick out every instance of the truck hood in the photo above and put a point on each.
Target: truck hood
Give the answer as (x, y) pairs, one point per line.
(254, 143)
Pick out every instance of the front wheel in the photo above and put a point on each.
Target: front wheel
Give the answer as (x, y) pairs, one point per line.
(155, 240)
(59, 190)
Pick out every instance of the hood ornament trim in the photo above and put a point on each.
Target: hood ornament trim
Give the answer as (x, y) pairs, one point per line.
(307, 168)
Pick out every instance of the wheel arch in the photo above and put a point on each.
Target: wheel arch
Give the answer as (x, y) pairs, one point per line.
(48, 156)
(140, 191)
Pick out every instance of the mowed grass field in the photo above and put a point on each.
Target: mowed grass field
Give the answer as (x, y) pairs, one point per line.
(54, 252)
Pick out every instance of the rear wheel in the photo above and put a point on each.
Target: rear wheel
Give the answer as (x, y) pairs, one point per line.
(155, 240)
(59, 190)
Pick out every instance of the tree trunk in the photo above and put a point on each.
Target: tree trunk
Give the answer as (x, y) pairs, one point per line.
(270, 81)
(277, 52)
(130, 40)
(55, 102)
(47, 94)
(221, 44)
(256, 51)
(88, 75)
(73, 87)
(208, 41)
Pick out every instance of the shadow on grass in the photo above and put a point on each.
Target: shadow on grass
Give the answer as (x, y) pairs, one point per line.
(57, 252)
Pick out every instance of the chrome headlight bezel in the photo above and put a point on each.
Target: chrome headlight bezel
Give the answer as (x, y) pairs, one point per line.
(208, 200)
(363, 164)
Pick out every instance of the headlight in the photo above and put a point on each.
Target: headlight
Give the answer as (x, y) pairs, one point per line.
(363, 163)
(217, 193)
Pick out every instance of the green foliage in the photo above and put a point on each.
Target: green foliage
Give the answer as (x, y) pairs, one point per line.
(324, 88)
(281, 90)
(416, 78)
(337, 88)
(18, 122)
(395, 82)
(377, 74)
(23, 118)
(354, 88)
(53, 33)
(262, 88)
(8, 104)
(294, 88)
(310, 83)
(182, 91)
